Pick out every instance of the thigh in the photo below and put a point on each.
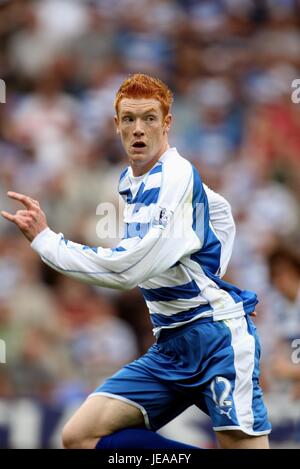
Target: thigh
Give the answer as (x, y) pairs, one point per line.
(238, 440)
(101, 415)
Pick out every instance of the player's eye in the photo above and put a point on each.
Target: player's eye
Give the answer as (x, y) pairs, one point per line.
(150, 118)
(127, 119)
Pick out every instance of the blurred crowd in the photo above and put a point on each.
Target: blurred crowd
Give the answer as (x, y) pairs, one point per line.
(231, 64)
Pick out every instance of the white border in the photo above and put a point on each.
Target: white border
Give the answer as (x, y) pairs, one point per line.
(248, 432)
(128, 401)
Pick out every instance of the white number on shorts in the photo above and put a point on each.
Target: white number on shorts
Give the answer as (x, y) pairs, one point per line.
(222, 401)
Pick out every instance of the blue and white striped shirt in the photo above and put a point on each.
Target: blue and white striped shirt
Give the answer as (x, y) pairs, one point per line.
(178, 239)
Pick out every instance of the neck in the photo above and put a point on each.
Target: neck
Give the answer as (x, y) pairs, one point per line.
(138, 169)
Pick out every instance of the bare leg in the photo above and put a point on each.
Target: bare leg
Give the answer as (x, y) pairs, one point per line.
(235, 439)
(97, 417)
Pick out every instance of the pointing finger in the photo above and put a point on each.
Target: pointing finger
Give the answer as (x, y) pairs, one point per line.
(8, 216)
(24, 199)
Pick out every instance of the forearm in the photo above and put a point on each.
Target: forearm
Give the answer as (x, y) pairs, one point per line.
(73, 261)
(138, 260)
(153, 254)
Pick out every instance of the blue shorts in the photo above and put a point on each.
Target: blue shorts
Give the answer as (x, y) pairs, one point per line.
(214, 365)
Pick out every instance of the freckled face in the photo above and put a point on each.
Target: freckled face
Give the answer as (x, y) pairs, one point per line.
(144, 132)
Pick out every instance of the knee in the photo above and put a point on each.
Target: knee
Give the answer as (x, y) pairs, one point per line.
(72, 439)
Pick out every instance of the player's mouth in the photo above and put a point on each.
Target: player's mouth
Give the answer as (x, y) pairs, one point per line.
(139, 145)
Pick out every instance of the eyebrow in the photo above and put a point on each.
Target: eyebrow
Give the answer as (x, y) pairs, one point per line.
(143, 113)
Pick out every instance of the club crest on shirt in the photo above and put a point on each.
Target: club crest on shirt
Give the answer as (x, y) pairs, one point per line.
(162, 217)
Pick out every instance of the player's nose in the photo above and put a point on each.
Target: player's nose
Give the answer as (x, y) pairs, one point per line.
(138, 129)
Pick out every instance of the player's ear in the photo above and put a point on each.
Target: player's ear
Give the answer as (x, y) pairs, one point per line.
(168, 122)
(117, 124)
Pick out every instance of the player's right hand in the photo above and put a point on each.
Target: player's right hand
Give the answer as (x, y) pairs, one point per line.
(30, 220)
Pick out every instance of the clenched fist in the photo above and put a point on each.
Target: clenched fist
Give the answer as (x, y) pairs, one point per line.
(30, 220)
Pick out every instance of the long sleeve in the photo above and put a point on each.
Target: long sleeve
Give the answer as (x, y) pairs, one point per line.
(170, 237)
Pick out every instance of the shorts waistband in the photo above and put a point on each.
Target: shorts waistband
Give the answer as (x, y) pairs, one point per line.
(172, 332)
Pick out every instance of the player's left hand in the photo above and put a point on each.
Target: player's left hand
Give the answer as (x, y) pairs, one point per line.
(32, 220)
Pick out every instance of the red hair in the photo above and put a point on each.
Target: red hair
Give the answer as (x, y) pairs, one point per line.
(147, 87)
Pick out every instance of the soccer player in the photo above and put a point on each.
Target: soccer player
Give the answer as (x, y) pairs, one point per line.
(177, 244)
